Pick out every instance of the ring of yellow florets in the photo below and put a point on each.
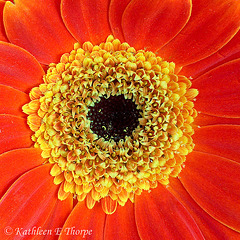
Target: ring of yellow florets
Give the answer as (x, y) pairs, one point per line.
(89, 166)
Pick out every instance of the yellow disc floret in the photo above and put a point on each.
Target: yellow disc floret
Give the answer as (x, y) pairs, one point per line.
(95, 168)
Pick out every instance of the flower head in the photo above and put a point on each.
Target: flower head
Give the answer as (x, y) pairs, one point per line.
(120, 119)
(114, 121)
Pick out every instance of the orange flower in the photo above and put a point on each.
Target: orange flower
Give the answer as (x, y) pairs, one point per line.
(75, 175)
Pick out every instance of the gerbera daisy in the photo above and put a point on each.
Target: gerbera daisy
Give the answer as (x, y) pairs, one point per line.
(119, 119)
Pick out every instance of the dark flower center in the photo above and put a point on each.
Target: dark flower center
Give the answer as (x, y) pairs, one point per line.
(114, 117)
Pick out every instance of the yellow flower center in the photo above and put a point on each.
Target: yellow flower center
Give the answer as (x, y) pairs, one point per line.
(113, 121)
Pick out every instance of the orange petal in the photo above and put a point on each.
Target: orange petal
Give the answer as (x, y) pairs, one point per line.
(212, 24)
(29, 202)
(159, 215)
(87, 20)
(229, 52)
(151, 24)
(14, 133)
(210, 228)
(205, 120)
(16, 162)
(3, 36)
(121, 224)
(213, 182)
(12, 100)
(18, 68)
(219, 91)
(84, 223)
(57, 218)
(222, 140)
(116, 10)
(37, 26)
